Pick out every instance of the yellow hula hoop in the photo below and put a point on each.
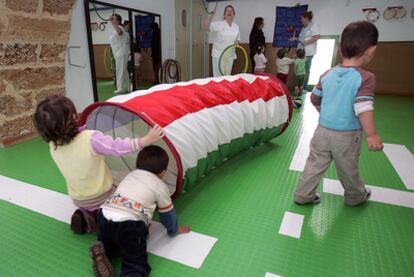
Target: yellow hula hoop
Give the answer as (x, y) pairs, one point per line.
(227, 49)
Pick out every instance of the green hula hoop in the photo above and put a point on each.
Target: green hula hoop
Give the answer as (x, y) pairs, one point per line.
(228, 48)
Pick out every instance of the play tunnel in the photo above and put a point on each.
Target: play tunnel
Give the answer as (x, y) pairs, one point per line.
(206, 122)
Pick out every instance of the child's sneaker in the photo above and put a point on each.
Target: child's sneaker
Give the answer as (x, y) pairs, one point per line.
(367, 196)
(316, 200)
(77, 222)
(368, 193)
(102, 267)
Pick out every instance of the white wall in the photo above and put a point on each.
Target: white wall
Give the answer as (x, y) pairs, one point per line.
(331, 15)
(78, 79)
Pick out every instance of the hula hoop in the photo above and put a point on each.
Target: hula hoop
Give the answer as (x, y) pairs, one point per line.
(231, 47)
(165, 72)
(389, 13)
(401, 13)
(102, 26)
(101, 17)
(373, 15)
(412, 13)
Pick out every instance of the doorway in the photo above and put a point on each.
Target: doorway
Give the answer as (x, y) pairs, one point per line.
(191, 46)
(325, 58)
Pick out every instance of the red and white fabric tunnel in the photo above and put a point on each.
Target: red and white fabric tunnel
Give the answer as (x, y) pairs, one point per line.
(206, 121)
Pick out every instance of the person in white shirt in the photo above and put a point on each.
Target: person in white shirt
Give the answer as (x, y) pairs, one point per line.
(282, 64)
(308, 38)
(119, 41)
(259, 59)
(126, 215)
(225, 32)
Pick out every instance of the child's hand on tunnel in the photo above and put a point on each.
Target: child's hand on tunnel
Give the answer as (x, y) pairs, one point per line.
(156, 133)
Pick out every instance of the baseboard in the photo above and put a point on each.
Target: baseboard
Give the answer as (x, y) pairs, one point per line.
(15, 140)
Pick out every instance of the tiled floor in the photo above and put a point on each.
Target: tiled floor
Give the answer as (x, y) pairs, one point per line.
(242, 203)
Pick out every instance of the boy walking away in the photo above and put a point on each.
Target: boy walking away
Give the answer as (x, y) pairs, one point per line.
(344, 97)
(124, 218)
(300, 71)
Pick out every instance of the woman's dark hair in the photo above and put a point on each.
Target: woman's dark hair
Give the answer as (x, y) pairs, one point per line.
(300, 53)
(256, 24)
(153, 159)
(229, 6)
(56, 120)
(281, 53)
(119, 18)
(357, 37)
(308, 15)
(256, 36)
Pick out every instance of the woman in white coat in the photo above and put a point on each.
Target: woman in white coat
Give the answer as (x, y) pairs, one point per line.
(119, 41)
(308, 38)
(224, 33)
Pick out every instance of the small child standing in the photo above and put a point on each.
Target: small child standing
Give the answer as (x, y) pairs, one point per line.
(259, 59)
(282, 64)
(344, 98)
(125, 216)
(299, 71)
(79, 155)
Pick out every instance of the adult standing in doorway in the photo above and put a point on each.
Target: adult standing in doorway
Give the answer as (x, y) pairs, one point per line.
(256, 38)
(225, 32)
(156, 50)
(119, 41)
(307, 40)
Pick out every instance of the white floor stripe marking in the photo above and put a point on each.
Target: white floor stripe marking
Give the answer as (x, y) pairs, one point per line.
(189, 249)
(310, 118)
(47, 202)
(291, 225)
(268, 274)
(301, 153)
(403, 162)
(379, 194)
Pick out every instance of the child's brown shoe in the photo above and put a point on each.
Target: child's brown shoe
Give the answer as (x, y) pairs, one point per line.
(102, 267)
(77, 222)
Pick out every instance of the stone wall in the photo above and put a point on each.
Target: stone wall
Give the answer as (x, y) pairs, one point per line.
(33, 37)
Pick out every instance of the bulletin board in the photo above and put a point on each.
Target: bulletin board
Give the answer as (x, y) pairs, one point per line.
(143, 32)
(287, 23)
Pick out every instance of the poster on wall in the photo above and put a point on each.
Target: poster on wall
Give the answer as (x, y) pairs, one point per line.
(287, 25)
(143, 30)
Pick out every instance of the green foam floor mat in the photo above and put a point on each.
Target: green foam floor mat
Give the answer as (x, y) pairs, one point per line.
(241, 203)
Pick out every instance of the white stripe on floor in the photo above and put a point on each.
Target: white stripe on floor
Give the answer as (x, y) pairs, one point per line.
(268, 274)
(379, 194)
(291, 225)
(301, 153)
(190, 249)
(403, 162)
(47, 202)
